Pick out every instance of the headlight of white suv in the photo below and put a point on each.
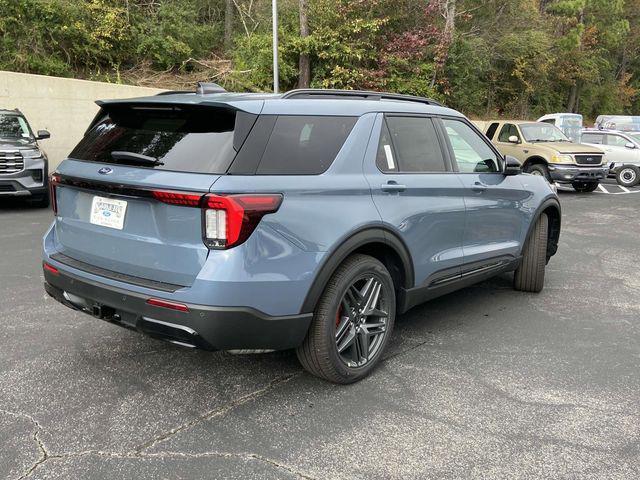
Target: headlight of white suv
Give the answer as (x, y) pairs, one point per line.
(559, 158)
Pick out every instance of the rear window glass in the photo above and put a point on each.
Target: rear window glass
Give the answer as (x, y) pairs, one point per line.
(304, 145)
(178, 138)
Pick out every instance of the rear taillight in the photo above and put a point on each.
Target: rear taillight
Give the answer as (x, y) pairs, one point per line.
(54, 180)
(230, 219)
(158, 302)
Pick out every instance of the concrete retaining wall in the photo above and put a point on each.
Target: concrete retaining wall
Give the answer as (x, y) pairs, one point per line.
(64, 106)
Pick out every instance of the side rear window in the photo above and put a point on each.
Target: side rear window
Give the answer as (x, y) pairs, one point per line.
(492, 130)
(596, 138)
(304, 144)
(180, 138)
(415, 143)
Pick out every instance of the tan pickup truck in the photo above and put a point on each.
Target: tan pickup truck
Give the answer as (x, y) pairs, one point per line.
(544, 150)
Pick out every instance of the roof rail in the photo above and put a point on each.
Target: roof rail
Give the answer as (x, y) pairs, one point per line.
(355, 94)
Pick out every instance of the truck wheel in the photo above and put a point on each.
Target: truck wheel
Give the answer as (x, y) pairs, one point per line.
(628, 176)
(541, 170)
(585, 187)
(529, 276)
(352, 322)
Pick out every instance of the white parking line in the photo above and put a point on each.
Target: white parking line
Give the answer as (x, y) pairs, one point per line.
(624, 191)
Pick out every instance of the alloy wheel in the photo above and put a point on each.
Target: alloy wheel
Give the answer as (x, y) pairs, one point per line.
(361, 321)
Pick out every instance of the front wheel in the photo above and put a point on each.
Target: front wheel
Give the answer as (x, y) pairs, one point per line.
(352, 322)
(540, 170)
(584, 187)
(529, 276)
(628, 175)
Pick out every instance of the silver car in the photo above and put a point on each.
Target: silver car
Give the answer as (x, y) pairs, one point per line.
(621, 153)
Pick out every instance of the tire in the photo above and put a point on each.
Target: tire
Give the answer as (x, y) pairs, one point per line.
(529, 276)
(540, 170)
(628, 176)
(41, 201)
(584, 187)
(332, 325)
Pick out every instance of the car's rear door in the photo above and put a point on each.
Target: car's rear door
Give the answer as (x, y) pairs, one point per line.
(495, 214)
(417, 194)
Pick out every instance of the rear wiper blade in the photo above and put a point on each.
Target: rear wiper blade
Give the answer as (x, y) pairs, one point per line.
(135, 157)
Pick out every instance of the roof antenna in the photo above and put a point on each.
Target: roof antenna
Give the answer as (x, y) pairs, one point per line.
(204, 88)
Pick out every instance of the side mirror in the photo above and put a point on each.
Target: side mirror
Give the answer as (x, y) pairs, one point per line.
(42, 134)
(630, 145)
(511, 166)
(514, 139)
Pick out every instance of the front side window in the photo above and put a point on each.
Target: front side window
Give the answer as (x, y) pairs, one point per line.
(508, 130)
(471, 152)
(616, 140)
(304, 145)
(542, 132)
(413, 140)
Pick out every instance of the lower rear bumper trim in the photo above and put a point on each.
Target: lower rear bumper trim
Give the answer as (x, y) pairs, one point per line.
(205, 327)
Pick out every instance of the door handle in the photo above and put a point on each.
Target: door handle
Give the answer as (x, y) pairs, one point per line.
(392, 186)
(478, 187)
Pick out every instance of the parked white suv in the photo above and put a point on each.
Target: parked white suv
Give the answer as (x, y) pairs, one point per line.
(621, 153)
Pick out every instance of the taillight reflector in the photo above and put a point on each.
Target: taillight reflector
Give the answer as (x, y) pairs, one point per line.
(50, 268)
(157, 302)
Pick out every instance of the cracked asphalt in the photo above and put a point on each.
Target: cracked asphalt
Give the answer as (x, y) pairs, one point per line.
(485, 383)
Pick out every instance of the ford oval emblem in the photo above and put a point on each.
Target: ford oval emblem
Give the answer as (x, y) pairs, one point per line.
(105, 171)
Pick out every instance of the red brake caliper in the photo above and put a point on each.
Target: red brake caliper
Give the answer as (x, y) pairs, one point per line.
(338, 316)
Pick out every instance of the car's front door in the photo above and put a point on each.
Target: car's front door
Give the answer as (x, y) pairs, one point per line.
(617, 149)
(494, 201)
(418, 195)
(506, 147)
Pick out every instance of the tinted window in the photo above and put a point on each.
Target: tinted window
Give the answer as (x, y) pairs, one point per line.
(304, 145)
(415, 144)
(470, 151)
(616, 140)
(385, 159)
(592, 138)
(508, 129)
(492, 130)
(187, 139)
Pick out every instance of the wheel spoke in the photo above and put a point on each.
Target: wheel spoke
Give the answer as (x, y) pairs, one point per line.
(372, 298)
(348, 340)
(345, 322)
(363, 341)
(375, 328)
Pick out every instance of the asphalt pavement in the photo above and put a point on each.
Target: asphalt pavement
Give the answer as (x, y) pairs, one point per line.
(485, 383)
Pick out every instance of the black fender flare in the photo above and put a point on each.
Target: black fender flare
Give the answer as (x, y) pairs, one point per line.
(550, 201)
(355, 240)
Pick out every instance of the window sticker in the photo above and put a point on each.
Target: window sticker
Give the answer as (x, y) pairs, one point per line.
(389, 154)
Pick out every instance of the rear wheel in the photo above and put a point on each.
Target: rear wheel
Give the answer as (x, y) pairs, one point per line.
(628, 176)
(541, 170)
(584, 187)
(529, 276)
(352, 322)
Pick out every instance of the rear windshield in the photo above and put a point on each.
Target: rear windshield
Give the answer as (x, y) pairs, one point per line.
(179, 138)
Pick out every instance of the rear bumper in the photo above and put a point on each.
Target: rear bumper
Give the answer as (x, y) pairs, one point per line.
(572, 173)
(205, 327)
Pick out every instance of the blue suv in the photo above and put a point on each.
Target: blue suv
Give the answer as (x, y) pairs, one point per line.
(308, 220)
